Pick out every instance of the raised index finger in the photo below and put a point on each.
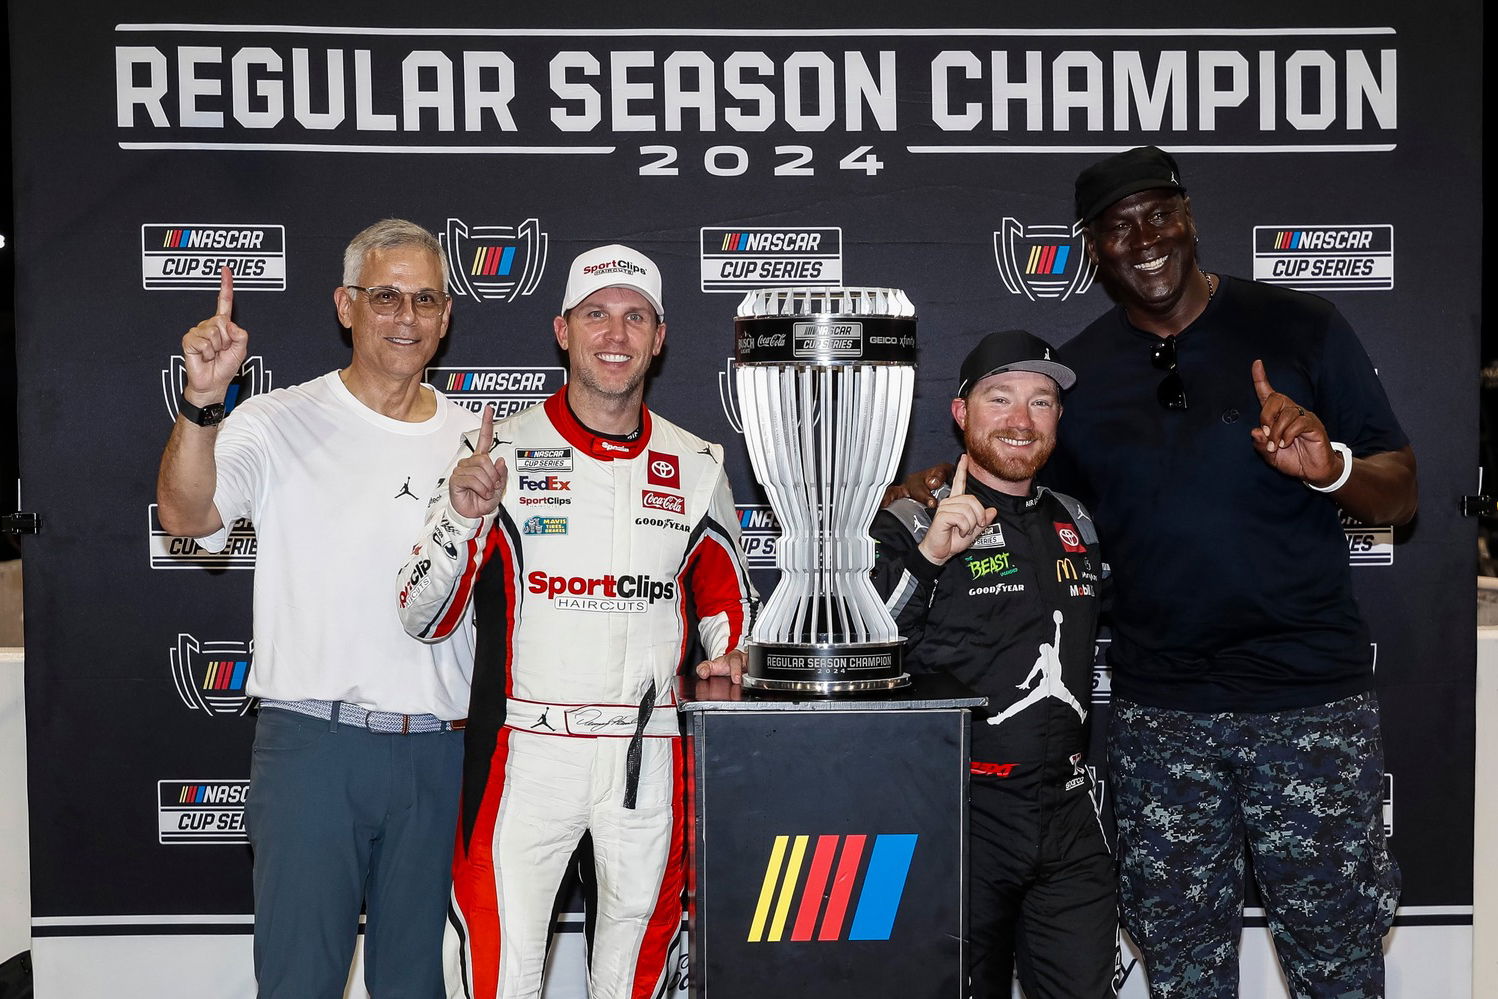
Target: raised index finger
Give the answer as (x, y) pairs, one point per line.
(225, 292)
(486, 429)
(1261, 382)
(959, 477)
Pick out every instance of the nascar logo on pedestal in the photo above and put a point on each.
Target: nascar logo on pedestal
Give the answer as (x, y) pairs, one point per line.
(873, 907)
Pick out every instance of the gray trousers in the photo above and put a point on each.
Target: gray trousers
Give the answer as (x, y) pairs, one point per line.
(341, 817)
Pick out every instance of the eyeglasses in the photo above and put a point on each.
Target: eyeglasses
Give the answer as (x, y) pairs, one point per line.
(387, 301)
(1171, 394)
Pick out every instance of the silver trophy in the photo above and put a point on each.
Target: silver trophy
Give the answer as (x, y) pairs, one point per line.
(825, 382)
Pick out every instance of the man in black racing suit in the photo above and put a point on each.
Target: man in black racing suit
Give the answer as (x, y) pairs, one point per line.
(1000, 586)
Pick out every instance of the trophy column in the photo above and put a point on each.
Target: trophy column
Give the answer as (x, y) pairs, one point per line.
(825, 383)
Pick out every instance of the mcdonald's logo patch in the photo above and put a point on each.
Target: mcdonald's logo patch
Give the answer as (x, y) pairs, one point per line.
(847, 889)
(1065, 570)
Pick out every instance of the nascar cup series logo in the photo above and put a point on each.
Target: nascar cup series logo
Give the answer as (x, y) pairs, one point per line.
(189, 255)
(1042, 261)
(201, 811)
(736, 260)
(167, 551)
(758, 533)
(1325, 257)
(210, 676)
(253, 378)
(508, 390)
(1368, 545)
(494, 262)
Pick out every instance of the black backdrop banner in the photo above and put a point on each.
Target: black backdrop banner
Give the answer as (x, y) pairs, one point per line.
(1331, 147)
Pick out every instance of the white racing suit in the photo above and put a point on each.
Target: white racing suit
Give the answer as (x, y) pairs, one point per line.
(583, 587)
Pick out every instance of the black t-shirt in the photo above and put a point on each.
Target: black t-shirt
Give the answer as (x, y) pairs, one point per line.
(1231, 585)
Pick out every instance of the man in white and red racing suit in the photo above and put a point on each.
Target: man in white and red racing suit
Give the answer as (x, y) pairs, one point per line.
(584, 582)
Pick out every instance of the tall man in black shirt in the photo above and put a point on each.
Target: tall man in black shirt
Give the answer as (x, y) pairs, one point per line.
(1222, 424)
(1000, 586)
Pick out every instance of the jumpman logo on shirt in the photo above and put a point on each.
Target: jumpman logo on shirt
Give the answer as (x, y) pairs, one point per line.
(1046, 675)
(542, 720)
(406, 491)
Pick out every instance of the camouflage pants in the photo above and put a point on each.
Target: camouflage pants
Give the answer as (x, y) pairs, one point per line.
(1303, 789)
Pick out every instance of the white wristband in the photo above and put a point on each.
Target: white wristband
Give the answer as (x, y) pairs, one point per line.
(1346, 453)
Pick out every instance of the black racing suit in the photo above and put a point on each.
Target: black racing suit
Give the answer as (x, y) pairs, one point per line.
(1015, 618)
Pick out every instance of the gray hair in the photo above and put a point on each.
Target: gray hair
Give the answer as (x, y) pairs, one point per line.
(389, 234)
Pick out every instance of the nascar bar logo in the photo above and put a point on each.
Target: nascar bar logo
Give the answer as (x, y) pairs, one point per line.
(201, 811)
(210, 676)
(1325, 257)
(1368, 545)
(1042, 261)
(758, 533)
(494, 262)
(803, 899)
(188, 255)
(737, 260)
(508, 390)
(167, 551)
(253, 379)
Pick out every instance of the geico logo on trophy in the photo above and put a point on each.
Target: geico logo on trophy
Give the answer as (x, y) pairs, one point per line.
(653, 500)
(548, 482)
(607, 585)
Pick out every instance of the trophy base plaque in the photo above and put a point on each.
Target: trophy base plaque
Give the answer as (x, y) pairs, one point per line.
(828, 669)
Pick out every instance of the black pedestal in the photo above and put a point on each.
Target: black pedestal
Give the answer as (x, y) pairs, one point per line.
(828, 849)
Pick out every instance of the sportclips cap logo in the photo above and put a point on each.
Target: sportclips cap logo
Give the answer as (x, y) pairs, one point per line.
(872, 889)
(737, 260)
(1042, 261)
(210, 676)
(253, 379)
(625, 267)
(509, 390)
(201, 811)
(189, 255)
(167, 551)
(1325, 257)
(494, 262)
(608, 593)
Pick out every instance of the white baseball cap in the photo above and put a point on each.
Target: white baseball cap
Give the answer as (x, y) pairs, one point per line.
(613, 266)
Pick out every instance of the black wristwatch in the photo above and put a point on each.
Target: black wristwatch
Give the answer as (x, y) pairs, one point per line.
(210, 415)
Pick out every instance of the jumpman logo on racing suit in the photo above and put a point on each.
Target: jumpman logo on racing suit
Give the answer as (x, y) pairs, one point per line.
(1048, 671)
(406, 491)
(542, 720)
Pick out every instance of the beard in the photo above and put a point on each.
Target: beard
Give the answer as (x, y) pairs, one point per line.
(999, 460)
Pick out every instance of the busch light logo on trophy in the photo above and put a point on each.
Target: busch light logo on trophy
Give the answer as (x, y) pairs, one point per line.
(825, 382)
